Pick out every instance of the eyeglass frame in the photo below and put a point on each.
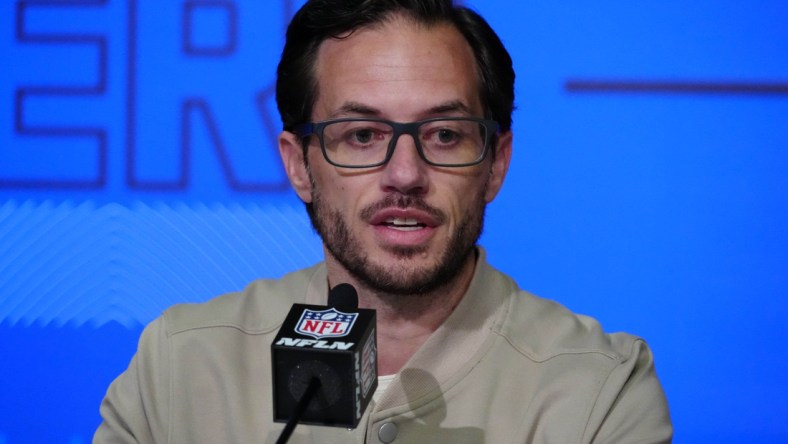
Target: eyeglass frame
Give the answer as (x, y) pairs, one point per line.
(491, 127)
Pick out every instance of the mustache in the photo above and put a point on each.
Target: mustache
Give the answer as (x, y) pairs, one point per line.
(401, 201)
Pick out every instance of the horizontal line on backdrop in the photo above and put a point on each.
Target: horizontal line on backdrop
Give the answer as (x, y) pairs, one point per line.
(674, 87)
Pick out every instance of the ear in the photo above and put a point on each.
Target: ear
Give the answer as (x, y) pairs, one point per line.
(292, 153)
(500, 165)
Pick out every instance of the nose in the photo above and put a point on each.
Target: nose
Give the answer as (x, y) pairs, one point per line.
(406, 172)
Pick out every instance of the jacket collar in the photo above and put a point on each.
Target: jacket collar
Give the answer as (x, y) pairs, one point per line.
(456, 346)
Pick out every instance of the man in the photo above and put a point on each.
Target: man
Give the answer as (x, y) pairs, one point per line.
(397, 118)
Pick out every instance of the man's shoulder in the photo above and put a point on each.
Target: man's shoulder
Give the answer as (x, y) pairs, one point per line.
(258, 309)
(542, 329)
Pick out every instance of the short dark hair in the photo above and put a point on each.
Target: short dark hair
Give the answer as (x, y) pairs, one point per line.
(318, 20)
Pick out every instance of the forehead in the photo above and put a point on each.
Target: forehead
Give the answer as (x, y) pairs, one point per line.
(396, 67)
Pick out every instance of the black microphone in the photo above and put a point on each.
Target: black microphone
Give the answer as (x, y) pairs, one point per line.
(343, 295)
(325, 362)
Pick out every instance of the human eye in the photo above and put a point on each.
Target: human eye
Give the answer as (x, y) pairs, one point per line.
(445, 135)
(361, 136)
(364, 135)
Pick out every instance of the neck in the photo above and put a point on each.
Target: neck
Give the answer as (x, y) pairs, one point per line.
(405, 322)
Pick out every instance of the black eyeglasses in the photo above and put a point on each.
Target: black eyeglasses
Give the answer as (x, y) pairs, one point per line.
(366, 143)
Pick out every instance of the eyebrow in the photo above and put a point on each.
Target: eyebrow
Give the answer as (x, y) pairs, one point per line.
(453, 106)
(355, 108)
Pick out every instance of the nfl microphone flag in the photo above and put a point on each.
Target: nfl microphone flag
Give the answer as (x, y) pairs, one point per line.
(334, 345)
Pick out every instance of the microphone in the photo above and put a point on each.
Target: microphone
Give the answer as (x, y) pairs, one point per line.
(324, 362)
(343, 295)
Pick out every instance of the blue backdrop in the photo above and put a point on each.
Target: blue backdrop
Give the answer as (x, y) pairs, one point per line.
(138, 168)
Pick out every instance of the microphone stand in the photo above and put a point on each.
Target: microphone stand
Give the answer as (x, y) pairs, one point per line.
(300, 408)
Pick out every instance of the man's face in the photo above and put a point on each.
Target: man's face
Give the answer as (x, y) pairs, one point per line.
(405, 227)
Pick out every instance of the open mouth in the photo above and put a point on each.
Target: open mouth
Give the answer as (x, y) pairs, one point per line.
(403, 223)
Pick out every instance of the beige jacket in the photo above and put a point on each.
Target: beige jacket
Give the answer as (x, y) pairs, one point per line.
(505, 367)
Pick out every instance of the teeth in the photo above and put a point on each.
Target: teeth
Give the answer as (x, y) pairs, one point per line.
(401, 221)
(407, 224)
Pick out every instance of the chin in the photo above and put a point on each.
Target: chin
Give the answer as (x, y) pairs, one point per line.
(408, 253)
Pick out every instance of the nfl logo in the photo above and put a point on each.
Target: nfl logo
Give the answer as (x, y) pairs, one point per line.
(329, 323)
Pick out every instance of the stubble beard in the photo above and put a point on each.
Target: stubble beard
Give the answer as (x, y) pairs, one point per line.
(402, 278)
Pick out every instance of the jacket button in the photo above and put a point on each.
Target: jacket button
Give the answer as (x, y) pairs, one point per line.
(387, 432)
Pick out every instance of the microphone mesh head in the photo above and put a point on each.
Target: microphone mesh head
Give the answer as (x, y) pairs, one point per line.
(343, 295)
